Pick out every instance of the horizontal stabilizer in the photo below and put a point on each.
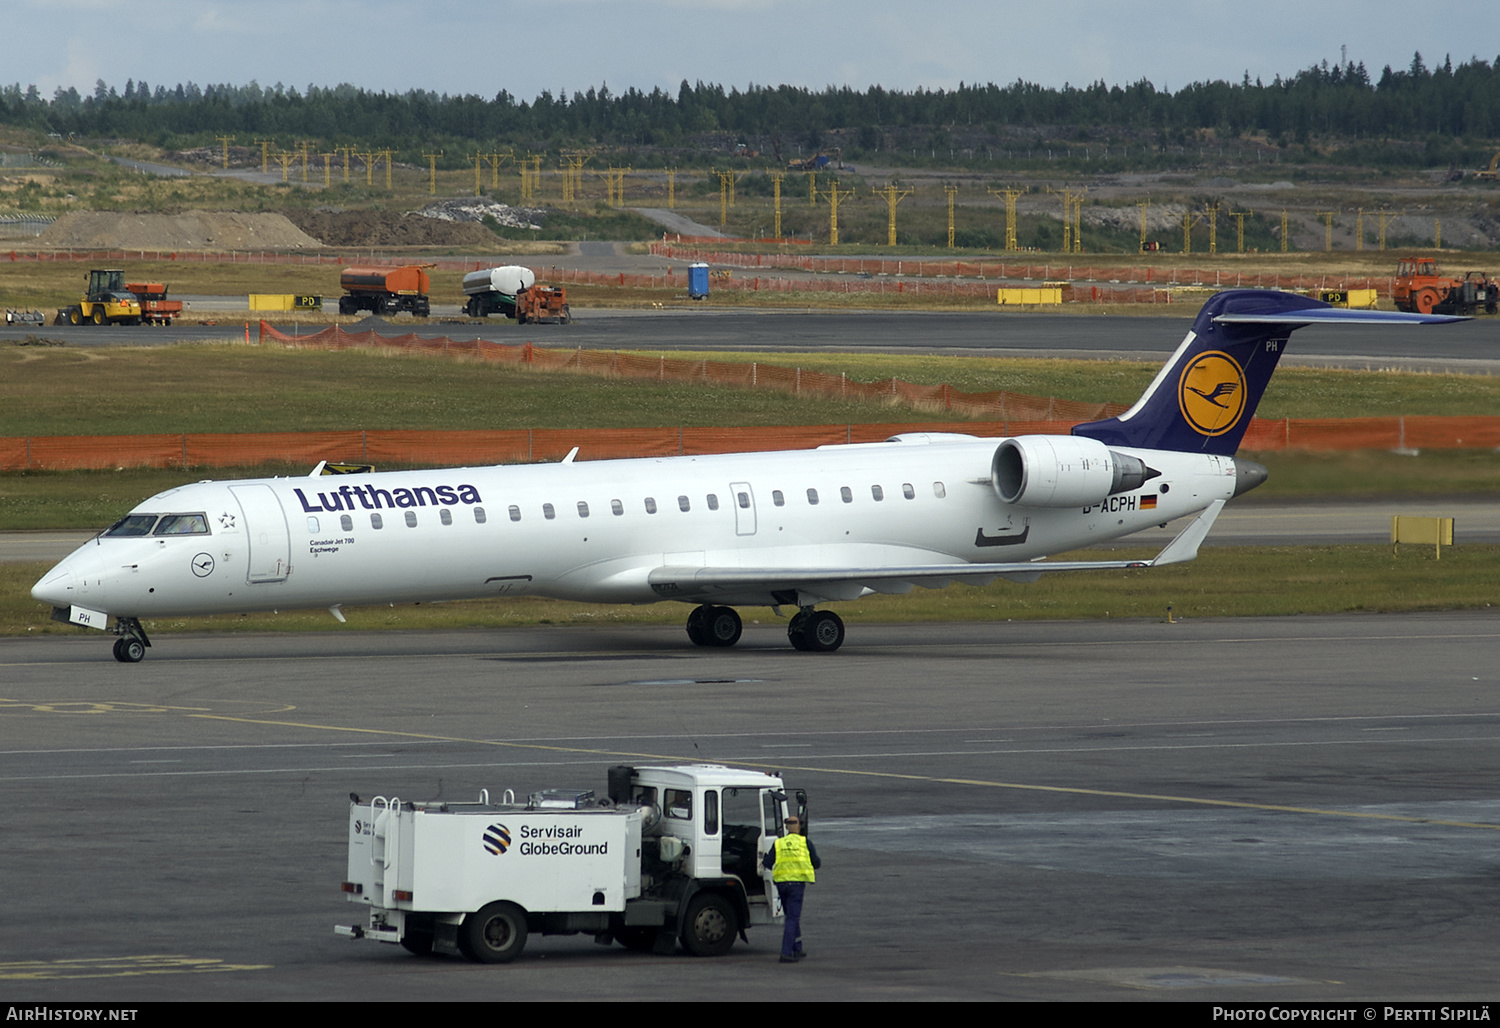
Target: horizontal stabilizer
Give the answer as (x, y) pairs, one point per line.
(1336, 316)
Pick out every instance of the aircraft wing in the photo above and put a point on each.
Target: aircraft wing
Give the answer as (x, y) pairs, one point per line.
(709, 583)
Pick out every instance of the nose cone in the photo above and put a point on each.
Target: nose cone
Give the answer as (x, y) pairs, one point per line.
(55, 588)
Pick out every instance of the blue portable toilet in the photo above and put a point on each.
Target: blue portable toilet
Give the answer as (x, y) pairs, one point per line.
(698, 281)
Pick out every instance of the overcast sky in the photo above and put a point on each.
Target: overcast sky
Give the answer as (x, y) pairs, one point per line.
(483, 46)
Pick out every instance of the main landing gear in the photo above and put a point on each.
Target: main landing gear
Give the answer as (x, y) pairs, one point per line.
(816, 631)
(813, 631)
(714, 626)
(130, 648)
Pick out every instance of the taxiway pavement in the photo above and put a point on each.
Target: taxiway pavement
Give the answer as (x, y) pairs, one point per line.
(1468, 348)
(1272, 809)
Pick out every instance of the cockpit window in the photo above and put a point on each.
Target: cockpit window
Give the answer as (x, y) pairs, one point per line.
(182, 524)
(132, 524)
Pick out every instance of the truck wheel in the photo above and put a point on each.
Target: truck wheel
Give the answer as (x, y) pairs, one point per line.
(1427, 299)
(567, 315)
(710, 926)
(99, 317)
(494, 934)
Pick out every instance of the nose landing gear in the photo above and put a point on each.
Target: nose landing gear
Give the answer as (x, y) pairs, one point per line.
(130, 648)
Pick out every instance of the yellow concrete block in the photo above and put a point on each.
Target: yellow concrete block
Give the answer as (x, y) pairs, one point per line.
(1009, 296)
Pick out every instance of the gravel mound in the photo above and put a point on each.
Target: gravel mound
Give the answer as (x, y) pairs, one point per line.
(477, 209)
(190, 230)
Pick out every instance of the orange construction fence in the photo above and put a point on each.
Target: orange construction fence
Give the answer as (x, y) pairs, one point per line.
(1019, 269)
(506, 446)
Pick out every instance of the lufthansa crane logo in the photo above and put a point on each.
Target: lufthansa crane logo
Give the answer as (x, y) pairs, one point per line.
(1211, 393)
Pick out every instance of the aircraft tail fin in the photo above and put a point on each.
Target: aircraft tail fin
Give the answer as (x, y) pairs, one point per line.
(1203, 398)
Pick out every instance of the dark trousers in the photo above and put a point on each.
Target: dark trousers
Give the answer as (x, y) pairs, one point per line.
(791, 906)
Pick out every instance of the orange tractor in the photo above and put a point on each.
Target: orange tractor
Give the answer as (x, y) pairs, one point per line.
(1421, 289)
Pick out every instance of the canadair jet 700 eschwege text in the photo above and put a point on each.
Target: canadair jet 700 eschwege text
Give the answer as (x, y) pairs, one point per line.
(791, 529)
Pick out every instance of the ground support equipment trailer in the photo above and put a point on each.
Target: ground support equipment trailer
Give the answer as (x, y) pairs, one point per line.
(156, 309)
(494, 290)
(107, 302)
(673, 853)
(1418, 287)
(386, 290)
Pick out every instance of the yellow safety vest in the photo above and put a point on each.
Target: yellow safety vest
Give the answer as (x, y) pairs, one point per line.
(793, 863)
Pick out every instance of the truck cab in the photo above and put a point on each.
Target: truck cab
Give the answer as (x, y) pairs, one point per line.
(725, 820)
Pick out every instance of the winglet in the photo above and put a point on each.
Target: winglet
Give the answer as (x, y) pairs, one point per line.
(1185, 547)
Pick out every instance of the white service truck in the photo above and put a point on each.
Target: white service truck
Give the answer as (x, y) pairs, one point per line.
(673, 853)
(494, 290)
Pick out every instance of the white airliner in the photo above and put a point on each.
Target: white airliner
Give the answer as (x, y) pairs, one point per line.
(791, 529)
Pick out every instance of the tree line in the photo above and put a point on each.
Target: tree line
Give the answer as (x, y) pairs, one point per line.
(1342, 101)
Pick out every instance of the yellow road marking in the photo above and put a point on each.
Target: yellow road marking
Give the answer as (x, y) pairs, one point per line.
(935, 779)
(117, 967)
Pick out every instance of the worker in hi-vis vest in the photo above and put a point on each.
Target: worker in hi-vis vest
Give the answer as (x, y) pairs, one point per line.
(792, 862)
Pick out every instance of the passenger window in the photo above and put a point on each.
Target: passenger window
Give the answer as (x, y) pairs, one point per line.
(778, 498)
(877, 493)
(744, 500)
(346, 522)
(938, 490)
(812, 497)
(376, 522)
(616, 508)
(445, 516)
(907, 491)
(515, 512)
(683, 504)
(846, 494)
(650, 505)
(677, 804)
(713, 501)
(479, 515)
(583, 509)
(548, 511)
(312, 525)
(411, 519)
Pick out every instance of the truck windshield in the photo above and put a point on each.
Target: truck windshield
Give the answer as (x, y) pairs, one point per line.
(132, 524)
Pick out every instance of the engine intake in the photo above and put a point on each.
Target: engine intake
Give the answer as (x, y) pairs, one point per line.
(1063, 471)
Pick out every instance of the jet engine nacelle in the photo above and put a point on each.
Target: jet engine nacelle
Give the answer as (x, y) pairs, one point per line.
(1062, 471)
